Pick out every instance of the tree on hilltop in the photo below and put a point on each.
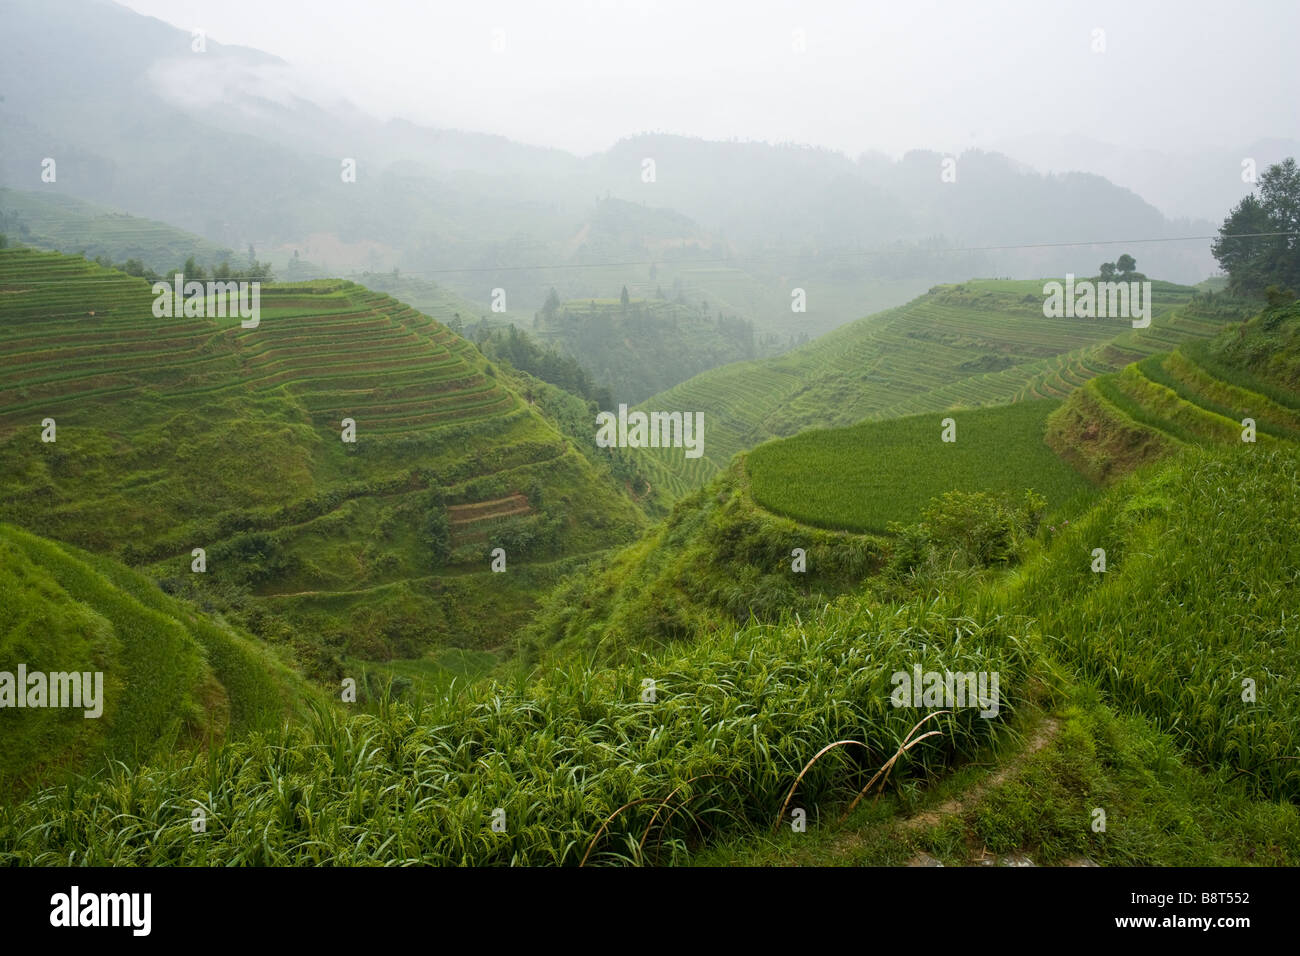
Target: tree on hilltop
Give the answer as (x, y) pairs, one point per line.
(1249, 248)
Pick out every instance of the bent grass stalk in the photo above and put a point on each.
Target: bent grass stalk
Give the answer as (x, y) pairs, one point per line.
(790, 796)
(608, 821)
(659, 809)
(888, 768)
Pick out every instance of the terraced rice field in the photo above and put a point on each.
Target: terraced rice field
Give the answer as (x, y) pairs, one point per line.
(974, 345)
(176, 433)
(1171, 394)
(1190, 396)
(80, 334)
(1067, 372)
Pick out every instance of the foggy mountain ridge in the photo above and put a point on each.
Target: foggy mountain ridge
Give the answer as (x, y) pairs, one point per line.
(267, 147)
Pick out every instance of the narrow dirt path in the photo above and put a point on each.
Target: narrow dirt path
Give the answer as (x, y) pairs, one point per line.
(849, 842)
(1043, 734)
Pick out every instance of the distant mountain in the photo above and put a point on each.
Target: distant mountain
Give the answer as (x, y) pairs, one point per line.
(1181, 181)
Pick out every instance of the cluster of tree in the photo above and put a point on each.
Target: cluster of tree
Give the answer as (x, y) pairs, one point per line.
(1259, 242)
(539, 535)
(1125, 267)
(738, 330)
(550, 308)
(517, 348)
(647, 345)
(625, 467)
(193, 271)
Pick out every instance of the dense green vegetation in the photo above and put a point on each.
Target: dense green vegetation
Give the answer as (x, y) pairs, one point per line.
(666, 698)
(363, 590)
(732, 723)
(1034, 797)
(868, 476)
(728, 551)
(1195, 607)
(714, 564)
(519, 349)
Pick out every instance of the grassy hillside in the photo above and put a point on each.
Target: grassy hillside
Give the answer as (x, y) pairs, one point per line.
(183, 433)
(865, 477)
(586, 766)
(979, 343)
(1199, 394)
(171, 677)
(732, 723)
(1029, 801)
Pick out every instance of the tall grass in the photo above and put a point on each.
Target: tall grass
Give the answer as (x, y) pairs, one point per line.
(732, 724)
(1199, 596)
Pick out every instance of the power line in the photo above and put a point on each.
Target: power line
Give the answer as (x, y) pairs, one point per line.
(888, 250)
(830, 255)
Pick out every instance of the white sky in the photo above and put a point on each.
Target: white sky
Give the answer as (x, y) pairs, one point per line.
(581, 74)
